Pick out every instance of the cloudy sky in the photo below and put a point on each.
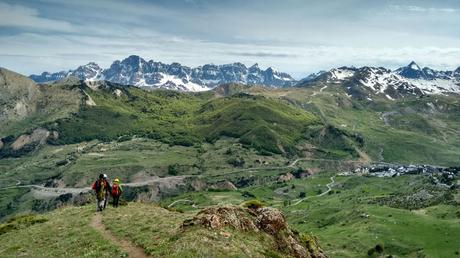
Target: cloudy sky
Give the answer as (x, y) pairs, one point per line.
(295, 36)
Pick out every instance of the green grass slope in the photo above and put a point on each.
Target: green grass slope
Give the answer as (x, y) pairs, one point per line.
(71, 232)
(183, 119)
(26, 105)
(407, 130)
(358, 214)
(262, 123)
(63, 233)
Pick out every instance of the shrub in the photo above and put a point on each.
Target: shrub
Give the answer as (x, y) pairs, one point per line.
(20, 222)
(376, 249)
(248, 194)
(253, 204)
(379, 248)
(236, 162)
(173, 169)
(302, 195)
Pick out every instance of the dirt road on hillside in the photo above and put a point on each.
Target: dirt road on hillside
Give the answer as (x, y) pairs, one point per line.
(329, 188)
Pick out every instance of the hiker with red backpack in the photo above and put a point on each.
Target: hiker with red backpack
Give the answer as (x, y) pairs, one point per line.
(116, 191)
(100, 187)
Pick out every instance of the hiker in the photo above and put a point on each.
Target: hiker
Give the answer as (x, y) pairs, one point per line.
(116, 191)
(100, 187)
(107, 190)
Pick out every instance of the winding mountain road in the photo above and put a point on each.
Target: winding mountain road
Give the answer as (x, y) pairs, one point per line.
(329, 188)
(56, 191)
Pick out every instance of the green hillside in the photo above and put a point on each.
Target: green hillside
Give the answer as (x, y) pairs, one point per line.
(407, 130)
(148, 229)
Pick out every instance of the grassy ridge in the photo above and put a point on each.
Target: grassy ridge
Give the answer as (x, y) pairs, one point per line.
(268, 125)
(408, 130)
(259, 122)
(59, 234)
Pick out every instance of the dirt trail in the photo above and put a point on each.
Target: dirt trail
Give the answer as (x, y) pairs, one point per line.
(329, 188)
(132, 250)
(178, 201)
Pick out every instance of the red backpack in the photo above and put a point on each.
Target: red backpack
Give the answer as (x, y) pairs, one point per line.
(115, 190)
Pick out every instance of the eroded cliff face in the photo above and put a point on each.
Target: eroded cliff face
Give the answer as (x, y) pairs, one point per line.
(18, 96)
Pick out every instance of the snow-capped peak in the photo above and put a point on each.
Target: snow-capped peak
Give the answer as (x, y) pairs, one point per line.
(414, 66)
(392, 84)
(340, 74)
(134, 70)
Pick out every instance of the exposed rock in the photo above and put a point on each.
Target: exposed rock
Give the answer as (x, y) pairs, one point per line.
(117, 92)
(224, 216)
(264, 220)
(1, 144)
(89, 101)
(198, 185)
(156, 189)
(55, 183)
(286, 177)
(18, 95)
(136, 71)
(224, 185)
(38, 136)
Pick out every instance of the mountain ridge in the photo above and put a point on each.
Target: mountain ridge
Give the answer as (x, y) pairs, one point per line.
(407, 80)
(134, 70)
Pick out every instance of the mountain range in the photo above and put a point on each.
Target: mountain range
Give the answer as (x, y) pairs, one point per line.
(407, 80)
(136, 71)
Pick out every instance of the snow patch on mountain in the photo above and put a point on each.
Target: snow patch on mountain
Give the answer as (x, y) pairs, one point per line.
(340, 74)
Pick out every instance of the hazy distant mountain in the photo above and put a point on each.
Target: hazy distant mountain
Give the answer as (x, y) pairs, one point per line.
(136, 71)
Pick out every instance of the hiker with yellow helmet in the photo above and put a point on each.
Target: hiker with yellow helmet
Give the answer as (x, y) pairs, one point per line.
(116, 191)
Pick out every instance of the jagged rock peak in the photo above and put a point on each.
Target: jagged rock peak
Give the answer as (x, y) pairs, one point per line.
(134, 70)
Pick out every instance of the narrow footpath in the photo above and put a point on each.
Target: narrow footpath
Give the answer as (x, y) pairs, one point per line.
(126, 246)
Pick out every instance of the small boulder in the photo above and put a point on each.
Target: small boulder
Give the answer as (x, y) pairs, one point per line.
(286, 177)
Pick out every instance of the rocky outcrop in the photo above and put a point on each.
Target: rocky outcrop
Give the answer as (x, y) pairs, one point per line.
(286, 177)
(264, 220)
(18, 96)
(25, 143)
(39, 136)
(223, 185)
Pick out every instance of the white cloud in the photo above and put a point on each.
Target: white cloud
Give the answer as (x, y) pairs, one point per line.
(34, 53)
(414, 8)
(25, 17)
(295, 40)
